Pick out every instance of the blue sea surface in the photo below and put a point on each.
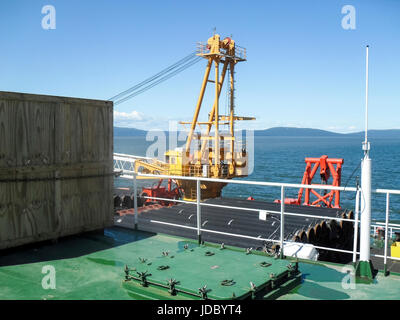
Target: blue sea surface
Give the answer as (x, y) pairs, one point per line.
(281, 159)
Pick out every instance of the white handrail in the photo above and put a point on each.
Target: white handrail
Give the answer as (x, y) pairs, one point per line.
(129, 174)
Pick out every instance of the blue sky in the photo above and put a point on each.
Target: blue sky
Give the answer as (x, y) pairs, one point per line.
(303, 68)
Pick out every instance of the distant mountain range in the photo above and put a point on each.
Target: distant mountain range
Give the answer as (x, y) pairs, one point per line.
(128, 132)
(283, 132)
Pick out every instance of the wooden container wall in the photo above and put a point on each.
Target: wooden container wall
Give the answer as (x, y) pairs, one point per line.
(56, 164)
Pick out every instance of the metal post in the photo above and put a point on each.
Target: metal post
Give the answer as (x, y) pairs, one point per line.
(364, 268)
(386, 232)
(135, 200)
(366, 96)
(282, 219)
(216, 119)
(355, 241)
(198, 197)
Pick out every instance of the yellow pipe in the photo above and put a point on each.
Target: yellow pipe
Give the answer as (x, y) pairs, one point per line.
(211, 118)
(199, 101)
(216, 118)
(232, 107)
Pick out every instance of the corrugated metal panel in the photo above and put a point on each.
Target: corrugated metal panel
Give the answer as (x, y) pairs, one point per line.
(55, 167)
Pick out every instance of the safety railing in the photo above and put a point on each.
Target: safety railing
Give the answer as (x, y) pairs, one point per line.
(203, 49)
(282, 212)
(380, 226)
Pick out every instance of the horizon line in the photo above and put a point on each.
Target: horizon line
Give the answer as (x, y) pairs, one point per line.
(281, 127)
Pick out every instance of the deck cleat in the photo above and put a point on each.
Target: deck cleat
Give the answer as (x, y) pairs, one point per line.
(203, 292)
(162, 267)
(264, 264)
(171, 284)
(126, 270)
(165, 253)
(142, 277)
(227, 282)
(253, 289)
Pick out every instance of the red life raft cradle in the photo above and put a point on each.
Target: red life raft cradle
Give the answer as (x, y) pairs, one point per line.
(159, 191)
(327, 168)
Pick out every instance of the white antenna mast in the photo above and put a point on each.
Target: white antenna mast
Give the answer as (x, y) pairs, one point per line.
(364, 267)
(366, 145)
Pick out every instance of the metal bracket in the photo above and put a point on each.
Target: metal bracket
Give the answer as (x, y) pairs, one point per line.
(227, 282)
(171, 285)
(203, 292)
(143, 277)
(253, 289)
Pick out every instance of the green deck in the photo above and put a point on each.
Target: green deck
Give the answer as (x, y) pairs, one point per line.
(92, 267)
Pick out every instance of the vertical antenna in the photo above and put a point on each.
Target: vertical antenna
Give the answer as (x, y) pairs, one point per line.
(364, 267)
(366, 145)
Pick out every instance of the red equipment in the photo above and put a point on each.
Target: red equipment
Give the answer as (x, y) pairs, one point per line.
(327, 167)
(159, 191)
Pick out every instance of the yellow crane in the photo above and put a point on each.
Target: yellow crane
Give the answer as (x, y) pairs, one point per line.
(221, 160)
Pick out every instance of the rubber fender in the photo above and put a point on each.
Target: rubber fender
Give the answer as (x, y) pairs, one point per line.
(317, 232)
(350, 215)
(117, 201)
(296, 238)
(126, 201)
(139, 201)
(275, 248)
(310, 235)
(343, 216)
(303, 236)
(325, 232)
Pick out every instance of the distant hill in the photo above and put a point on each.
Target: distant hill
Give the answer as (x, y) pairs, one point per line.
(284, 132)
(390, 133)
(128, 132)
(295, 132)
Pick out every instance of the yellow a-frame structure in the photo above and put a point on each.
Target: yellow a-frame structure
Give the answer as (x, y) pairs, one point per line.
(216, 162)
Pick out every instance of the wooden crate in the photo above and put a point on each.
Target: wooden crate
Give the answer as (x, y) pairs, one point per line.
(56, 164)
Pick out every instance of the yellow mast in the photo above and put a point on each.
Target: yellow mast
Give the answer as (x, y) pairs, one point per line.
(219, 163)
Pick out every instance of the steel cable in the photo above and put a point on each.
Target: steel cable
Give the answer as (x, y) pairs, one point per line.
(177, 64)
(162, 79)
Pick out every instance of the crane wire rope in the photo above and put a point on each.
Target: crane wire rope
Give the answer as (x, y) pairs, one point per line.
(161, 76)
(159, 80)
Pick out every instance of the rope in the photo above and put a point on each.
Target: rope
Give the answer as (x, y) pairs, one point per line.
(168, 69)
(166, 77)
(156, 79)
(352, 174)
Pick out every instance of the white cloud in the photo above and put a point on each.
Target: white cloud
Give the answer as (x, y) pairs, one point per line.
(124, 116)
(139, 120)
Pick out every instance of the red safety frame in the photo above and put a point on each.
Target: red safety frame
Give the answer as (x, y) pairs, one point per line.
(328, 168)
